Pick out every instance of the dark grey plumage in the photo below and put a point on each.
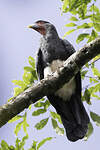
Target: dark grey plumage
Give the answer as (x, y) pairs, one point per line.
(69, 106)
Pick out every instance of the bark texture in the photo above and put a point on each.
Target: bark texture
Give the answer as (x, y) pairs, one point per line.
(48, 85)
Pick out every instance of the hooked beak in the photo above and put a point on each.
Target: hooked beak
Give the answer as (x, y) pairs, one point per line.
(34, 26)
(38, 28)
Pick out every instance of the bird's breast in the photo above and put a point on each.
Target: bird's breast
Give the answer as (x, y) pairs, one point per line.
(69, 88)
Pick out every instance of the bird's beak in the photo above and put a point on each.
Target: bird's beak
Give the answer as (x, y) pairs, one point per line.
(38, 28)
(34, 26)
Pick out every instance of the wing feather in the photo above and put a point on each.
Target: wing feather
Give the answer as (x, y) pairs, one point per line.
(40, 65)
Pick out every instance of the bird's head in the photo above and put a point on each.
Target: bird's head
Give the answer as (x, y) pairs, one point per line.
(43, 27)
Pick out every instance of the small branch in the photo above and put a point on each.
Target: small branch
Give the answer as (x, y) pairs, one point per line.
(46, 86)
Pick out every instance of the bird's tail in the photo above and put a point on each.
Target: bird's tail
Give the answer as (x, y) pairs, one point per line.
(75, 120)
(73, 115)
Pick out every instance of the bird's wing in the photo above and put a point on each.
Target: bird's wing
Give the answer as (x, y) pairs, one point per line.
(40, 65)
(68, 46)
(71, 50)
(76, 102)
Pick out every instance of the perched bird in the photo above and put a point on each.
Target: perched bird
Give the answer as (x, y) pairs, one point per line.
(67, 101)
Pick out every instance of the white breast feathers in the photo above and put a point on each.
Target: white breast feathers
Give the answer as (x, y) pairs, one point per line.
(68, 89)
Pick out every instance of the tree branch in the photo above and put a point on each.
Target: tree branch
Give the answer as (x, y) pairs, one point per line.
(48, 85)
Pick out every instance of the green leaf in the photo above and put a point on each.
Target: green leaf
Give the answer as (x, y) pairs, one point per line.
(91, 90)
(90, 131)
(93, 35)
(11, 147)
(25, 138)
(32, 71)
(18, 127)
(17, 91)
(19, 83)
(28, 69)
(54, 115)
(69, 32)
(75, 4)
(34, 144)
(87, 16)
(71, 24)
(4, 145)
(73, 11)
(85, 26)
(10, 99)
(73, 18)
(41, 124)
(95, 117)
(93, 80)
(81, 37)
(97, 88)
(97, 26)
(97, 18)
(94, 8)
(87, 96)
(83, 73)
(96, 72)
(65, 4)
(96, 96)
(17, 144)
(31, 62)
(82, 10)
(96, 58)
(43, 142)
(25, 125)
(46, 104)
(90, 24)
(87, 65)
(30, 107)
(39, 104)
(15, 118)
(28, 78)
(22, 143)
(58, 130)
(38, 112)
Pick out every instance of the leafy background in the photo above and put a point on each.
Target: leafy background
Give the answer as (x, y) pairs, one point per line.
(82, 19)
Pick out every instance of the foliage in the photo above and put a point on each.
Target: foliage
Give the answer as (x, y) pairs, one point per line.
(84, 15)
(19, 144)
(58, 130)
(29, 77)
(90, 131)
(22, 123)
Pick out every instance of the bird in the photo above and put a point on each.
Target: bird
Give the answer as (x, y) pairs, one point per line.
(67, 101)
